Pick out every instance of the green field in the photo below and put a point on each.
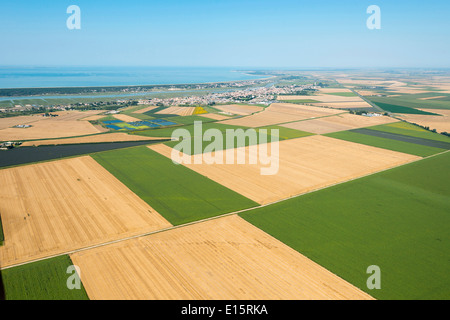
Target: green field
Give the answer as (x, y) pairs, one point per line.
(342, 94)
(398, 220)
(408, 129)
(176, 192)
(187, 120)
(43, 280)
(284, 134)
(301, 101)
(385, 143)
(167, 132)
(410, 101)
(401, 109)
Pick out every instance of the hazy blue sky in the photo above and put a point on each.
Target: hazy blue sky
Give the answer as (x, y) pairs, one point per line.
(235, 33)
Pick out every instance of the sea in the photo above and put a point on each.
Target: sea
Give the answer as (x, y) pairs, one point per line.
(45, 77)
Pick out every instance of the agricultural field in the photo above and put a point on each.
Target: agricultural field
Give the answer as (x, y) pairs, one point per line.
(408, 129)
(59, 206)
(239, 109)
(386, 143)
(259, 136)
(176, 192)
(14, 121)
(215, 116)
(440, 123)
(345, 105)
(338, 122)
(187, 120)
(144, 110)
(278, 113)
(305, 164)
(98, 138)
(49, 129)
(401, 109)
(304, 221)
(28, 155)
(179, 111)
(189, 126)
(42, 280)
(2, 237)
(397, 220)
(125, 118)
(257, 267)
(409, 102)
(137, 125)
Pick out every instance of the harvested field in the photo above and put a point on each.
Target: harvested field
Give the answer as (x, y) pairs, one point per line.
(126, 118)
(59, 206)
(222, 259)
(14, 121)
(108, 137)
(48, 129)
(305, 164)
(344, 105)
(332, 90)
(144, 110)
(281, 113)
(214, 116)
(181, 111)
(440, 123)
(94, 118)
(322, 98)
(339, 122)
(74, 115)
(239, 109)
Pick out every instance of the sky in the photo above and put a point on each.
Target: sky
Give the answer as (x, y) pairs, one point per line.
(226, 33)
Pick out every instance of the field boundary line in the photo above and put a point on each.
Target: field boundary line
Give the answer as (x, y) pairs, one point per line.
(212, 218)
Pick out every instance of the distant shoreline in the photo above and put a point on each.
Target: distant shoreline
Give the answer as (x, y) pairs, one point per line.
(70, 81)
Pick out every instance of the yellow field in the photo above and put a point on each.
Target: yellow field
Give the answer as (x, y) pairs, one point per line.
(333, 90)
(126, 118)
(107, 137)
(322, 98)
(59, 206)
(305, 164)
(339, 122)
(146, 109)
(181, 111)
(281, 113)
(75, 115)
(214, 116)
(344, 105)
(222, 259)
(48, 129)
(440, 123)
(239, 109)
(14, 121)
(94, 118)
